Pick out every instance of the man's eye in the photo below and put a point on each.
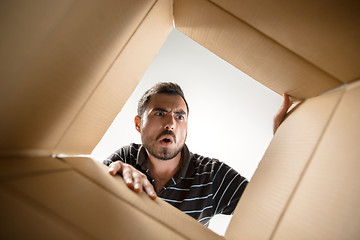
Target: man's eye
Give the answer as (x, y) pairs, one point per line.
(180, 117)
(159, 114)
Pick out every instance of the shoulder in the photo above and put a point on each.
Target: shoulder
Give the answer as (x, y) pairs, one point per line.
(215, 169)
(201, 162)
(125, 153)
(131, 148)
(205, 165)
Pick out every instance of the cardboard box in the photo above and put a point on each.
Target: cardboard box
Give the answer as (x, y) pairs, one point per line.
(68, 67)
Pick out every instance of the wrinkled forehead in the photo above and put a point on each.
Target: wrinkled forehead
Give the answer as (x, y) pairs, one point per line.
(167, 102)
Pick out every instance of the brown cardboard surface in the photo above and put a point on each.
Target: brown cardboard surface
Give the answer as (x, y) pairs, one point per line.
(111, 94)
(21, 220)
(67, 68)
(95, 211)
(325, 33)
(12, 168)
(53, 57)
(281, 168)
(326, 203)
(250, 50)
(158, 210)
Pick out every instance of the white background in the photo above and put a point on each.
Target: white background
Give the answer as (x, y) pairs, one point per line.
(230, 116)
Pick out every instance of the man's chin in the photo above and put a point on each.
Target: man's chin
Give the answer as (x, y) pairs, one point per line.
(164, 153)
(166, 156)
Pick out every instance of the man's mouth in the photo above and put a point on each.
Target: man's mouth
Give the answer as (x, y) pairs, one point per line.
(167, 137)
(166, 140)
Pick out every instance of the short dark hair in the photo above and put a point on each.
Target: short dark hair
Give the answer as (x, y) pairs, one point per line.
(163, 87)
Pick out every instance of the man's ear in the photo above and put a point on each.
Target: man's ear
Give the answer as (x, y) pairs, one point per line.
(137, 122)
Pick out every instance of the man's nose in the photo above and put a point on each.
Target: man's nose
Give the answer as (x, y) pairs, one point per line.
(170, 123)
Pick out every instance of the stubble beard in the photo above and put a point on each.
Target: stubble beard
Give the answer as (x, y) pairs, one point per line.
(164, 153)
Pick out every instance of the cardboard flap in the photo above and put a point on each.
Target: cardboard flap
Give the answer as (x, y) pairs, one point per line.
(118, 82)
(24, 219)
(326, 201)
(87, 201)
(56, 60)
(250, 50)
(271, 188)
(324, 32)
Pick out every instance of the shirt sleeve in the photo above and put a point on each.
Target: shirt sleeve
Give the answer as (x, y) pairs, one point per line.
(229, 185)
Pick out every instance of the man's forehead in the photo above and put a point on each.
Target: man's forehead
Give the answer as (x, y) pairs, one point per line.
(167, 102)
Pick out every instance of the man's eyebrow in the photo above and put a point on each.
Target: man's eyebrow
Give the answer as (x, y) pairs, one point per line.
(160, 109)
(180, 112)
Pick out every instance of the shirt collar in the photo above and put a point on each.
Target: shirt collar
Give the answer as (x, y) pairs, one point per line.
(187, 168)
(141, 158)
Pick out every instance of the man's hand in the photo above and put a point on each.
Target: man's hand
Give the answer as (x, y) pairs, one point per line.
(280, 115)
(133, 178)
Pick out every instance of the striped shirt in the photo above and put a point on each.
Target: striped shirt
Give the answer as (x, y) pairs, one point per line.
(202, 188)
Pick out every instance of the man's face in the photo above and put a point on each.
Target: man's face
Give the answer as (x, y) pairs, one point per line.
(163, 126)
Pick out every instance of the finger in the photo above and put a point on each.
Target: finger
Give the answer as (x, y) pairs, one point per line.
(115, 167)
(287, 100)
(137, 181)
(280, 115)
(285, 105)
(149, 189)
(127, 175)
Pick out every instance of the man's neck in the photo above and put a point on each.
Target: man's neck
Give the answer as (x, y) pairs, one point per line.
(163, 170)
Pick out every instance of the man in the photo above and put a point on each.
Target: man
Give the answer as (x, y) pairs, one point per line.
(163, 166)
